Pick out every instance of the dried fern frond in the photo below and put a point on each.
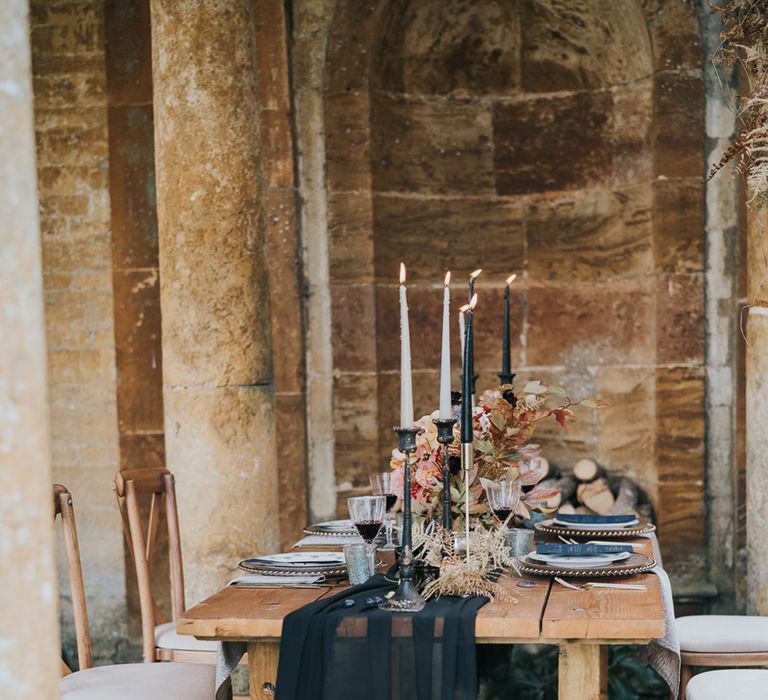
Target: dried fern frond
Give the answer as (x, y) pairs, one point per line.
(461, 574)
(745, 40)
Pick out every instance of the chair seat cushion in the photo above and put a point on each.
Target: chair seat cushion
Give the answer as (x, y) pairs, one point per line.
(158, 681)
(723, 633)
(733, 684)
(166, 637)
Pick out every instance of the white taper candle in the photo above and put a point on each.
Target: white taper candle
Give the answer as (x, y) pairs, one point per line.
(406, 387)
(445, 358)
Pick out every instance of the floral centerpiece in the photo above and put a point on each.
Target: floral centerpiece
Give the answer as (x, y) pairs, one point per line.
(503, 424)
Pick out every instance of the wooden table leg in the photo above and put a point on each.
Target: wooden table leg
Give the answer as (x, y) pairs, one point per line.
(262, 668)
(582, 672)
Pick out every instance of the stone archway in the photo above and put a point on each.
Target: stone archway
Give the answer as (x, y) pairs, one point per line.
(567, 159)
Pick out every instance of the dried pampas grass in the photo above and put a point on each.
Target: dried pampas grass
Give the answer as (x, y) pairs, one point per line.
(460, 574)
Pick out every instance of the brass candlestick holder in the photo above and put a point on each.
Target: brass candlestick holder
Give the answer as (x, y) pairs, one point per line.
(407, 597)
(445, 438)
(467, 459)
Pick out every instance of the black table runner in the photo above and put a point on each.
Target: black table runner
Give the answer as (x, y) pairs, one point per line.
(345, 648)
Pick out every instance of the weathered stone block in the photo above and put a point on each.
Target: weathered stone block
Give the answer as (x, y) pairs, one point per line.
(593, 236)
(680, 319)
(674, 33)
(457, 234)
(79, 319)
(442, 47)
(678, 225)
(272, 57)
(128, 48)
(353, 328)
(138, 350)
(69, 37)
(632, 133)
(132, 186)
(626, 430)
(679, 125)
(350, 238)
(350, 46)
(591, 325)
(291, 439)
(347, 141)
(553, 143)
(276, 149)
(680, 423)
(285, 296)
(582, 45)
(430, 145)
(355, 418)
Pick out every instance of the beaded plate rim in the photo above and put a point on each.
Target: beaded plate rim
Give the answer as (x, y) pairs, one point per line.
(549, 529)
(273, 571)
(647, 563)
(310, 530)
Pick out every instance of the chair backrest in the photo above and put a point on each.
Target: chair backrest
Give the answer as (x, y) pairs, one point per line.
(62, 505)
(158, 484)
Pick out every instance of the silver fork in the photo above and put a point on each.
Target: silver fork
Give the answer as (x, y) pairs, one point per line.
(590, 585)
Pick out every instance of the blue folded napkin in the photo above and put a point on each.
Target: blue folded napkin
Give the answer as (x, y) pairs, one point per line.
(584, 519)
(583, 549)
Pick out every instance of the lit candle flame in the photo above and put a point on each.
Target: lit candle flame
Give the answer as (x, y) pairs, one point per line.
(465, 308)
(476, 273)
(402, 273)
(473, 303)
(448, 278)
(511, 279)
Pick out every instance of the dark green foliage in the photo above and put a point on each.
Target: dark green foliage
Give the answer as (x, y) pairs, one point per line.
(529, 672)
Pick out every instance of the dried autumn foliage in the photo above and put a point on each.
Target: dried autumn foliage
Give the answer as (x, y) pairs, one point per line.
(745, 42)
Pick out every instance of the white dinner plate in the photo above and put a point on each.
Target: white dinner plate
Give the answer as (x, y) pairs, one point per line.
(579, 561)
(335, 525)
(597, 526)
(301, 559)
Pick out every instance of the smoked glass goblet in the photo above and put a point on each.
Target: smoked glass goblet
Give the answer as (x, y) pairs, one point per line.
(503, 496)
(381, 485)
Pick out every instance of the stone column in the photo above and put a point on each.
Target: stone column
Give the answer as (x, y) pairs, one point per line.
(214, 295)
(757, 414)
(29, 636)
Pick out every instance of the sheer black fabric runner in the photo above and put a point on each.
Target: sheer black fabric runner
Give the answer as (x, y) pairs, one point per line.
(336, 650)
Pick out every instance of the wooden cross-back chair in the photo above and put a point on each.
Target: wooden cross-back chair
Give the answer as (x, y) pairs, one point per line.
(160, 642)
(62, 506)
(123, 681)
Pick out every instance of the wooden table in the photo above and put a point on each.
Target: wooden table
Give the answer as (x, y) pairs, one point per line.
(581, 623)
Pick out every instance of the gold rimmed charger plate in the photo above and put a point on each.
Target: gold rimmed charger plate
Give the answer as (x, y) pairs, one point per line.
(322, 532)
(548, 527)
(268, 570)
(635, 564)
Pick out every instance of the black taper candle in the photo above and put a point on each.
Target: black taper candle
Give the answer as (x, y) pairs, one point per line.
(471, 366)
(467, 381)
(506, 376)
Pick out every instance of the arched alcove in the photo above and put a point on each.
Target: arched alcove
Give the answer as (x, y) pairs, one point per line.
(563, 141)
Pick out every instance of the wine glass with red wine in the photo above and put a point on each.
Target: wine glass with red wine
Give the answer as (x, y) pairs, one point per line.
(503, 497)
(381, 485)
(367, 513)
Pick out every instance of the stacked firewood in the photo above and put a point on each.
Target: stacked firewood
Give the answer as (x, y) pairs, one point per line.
(589, 489)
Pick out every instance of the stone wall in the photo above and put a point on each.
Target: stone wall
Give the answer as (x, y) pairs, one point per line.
(566, 146)
(72, 159)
